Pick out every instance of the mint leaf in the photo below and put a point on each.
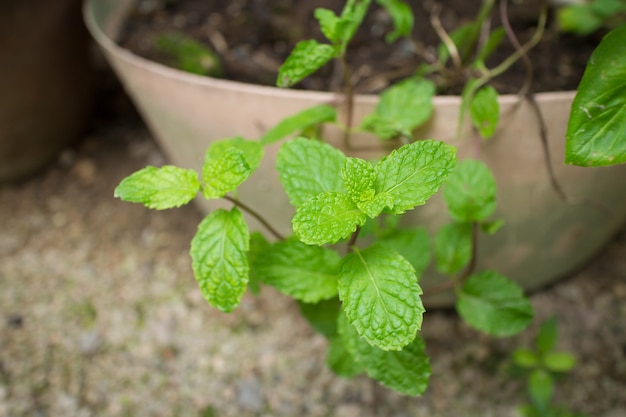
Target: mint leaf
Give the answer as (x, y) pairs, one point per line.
(252, 150)
(491, 228)
(578, 19)
(493, 41)
(300, 121)
(453, 247)
(330, 24)
(159, 188)
(225, 173)
(402, 17)
(189, 55)
(401, 109)
(306, 58)
(327, 218)
(559, 361)
(412, 244)
(470, 192)
(340, 361)
(352, 15)
(307, 273)
(309, 167)
(358, 179)
(219, 262)
(494, 304)
(258, 246)
(547, 336)
(340, 30)
(380, 296)
(411, 174)
(406, 371)
(540, 389)
(372, 208)
(464, 38)
(596, 131)
(525, 358)
(322, 316)
(485, 111)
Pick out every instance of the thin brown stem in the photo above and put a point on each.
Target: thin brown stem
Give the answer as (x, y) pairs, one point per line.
(353, 238)
(510, 33)
(445, 37)
(256, 215)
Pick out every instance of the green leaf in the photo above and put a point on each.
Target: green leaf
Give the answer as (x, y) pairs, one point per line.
(540, 389)
(381, 297)
(470, 192)
(596, 132)
(485, 111)
(525, 358)
(340, 30)
(559, 361)
(306, 58)
(308, 168)
(491, 228)
(322, 316)
(494, 304)
(411, 174)
(159, 188)
(547, 336)
(453, 247)
(189, 55)
(327, 218)
(406, 371)
(252, 150)
(402, 17)
(299, 122)
(341, 361)
(258, 246)
(219, 261)
(607, 8)
(402, 108)
(307, 273)
(464, 38)
(331, 25)
(224, 174)
(493, 41)
(352, 15)
(578, 19)
(358, 179)
(412, 244)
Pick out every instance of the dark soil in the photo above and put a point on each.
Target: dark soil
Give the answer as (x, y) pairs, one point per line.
(253, 37)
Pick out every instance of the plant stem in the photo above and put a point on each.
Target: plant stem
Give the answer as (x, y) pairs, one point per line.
(510, 33)
(445, 38)
(353, 238)
(256, 215)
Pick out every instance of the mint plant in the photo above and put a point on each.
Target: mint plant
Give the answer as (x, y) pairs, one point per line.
(543, 366)
(362, 294)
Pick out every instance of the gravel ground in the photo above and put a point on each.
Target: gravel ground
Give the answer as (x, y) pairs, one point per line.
(100, 316)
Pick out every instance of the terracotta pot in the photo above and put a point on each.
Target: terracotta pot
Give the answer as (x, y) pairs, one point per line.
(543, 238)
(45, 80)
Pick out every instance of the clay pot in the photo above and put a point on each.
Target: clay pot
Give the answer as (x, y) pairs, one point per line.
(544, 238)
(45, 80)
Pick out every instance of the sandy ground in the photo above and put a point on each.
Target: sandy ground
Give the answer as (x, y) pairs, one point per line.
(100, 316)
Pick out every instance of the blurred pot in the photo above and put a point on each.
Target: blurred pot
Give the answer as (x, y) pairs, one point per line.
(543, 239)
(45, 80)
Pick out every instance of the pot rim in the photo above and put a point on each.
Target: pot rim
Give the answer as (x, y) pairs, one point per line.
(129, 57)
